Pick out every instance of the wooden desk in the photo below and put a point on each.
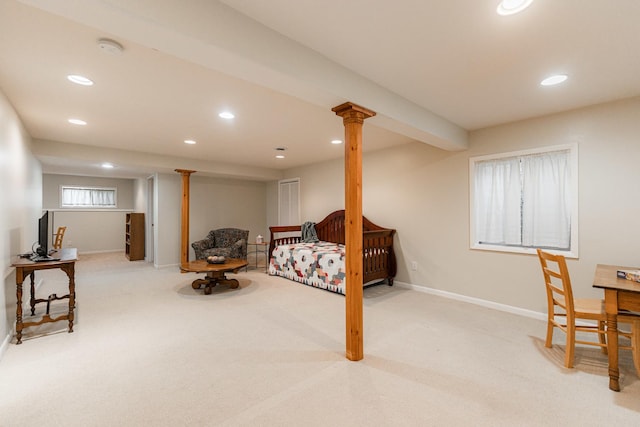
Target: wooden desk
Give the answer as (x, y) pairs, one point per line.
(619, 294)
(25, 267)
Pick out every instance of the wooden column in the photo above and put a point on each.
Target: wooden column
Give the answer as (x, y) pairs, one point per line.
(353, 117)
(184, 243)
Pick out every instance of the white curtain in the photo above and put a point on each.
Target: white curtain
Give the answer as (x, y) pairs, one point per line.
(103, 198)
(88, 197)
(76, 197)
(497, 201)
(524, 201)
(546, 201)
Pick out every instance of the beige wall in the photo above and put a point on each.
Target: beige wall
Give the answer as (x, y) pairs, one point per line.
(215, 203)
(20, 207)
(89, 230)
(423, 192)
(51, 184)
(218, 203)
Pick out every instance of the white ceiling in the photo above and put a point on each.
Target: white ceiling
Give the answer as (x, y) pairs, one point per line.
(432, 70)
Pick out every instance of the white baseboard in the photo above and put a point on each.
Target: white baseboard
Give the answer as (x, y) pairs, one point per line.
(477, 301)
(25, 307)
(100, 252)
(5, 344)
(166, 266)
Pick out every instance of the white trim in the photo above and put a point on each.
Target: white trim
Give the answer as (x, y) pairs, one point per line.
(158, 267)
(477, 301)
(25, 306)
(5, 345)
(573, 158)
(88, 210)
(483, 303)
(101, 251)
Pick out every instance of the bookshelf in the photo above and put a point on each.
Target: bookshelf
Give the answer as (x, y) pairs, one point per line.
(134, 236)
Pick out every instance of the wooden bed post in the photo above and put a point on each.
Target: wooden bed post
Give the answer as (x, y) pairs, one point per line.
(353, 117)
(184, 244)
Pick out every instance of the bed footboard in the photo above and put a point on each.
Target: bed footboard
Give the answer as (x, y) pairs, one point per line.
(283, 235)
(378, 257)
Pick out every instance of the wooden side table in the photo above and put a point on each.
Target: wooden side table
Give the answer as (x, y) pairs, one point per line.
(27, 268)
(259, 248)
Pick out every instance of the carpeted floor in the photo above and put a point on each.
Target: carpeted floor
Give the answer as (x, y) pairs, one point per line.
(148, 350)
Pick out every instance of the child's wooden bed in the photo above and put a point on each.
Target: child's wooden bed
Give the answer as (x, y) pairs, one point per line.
(322, 264)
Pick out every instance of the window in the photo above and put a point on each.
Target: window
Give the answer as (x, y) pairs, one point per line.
(525, 200)
(88, 197)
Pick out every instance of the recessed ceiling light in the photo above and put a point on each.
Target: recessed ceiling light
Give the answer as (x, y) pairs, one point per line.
(107, 165)
(280, 150)
(189, 141)
(336, 141)
(226, 115)
(511, 7)
(554, 80)
(77, 122)
(81, 80)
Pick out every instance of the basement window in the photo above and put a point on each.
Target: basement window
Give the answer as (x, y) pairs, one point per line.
(88, 197)
(525, 200)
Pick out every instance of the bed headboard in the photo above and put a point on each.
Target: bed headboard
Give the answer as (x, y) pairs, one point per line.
(330, 229)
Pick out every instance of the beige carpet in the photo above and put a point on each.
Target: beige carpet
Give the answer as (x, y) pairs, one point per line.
(148, 350)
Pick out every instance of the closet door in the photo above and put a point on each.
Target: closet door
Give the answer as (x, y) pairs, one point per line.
(289, 202)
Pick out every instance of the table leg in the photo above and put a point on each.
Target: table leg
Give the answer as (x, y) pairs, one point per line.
(32, 300)
(19, 310)
(70, 270)
(213, 279)
(611, 308)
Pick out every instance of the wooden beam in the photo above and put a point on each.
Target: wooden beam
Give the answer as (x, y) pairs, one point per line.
(184, 242)
(353, 117)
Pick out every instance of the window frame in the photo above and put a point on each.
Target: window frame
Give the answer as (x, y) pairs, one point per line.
(573, 252)
(91, 188)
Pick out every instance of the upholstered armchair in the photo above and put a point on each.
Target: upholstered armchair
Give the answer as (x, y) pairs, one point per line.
(228, 242)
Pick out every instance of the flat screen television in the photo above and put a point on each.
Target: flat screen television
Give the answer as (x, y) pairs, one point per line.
(43, 235)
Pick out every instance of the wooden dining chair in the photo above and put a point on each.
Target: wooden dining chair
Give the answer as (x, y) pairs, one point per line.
(572, 315)
(57, 241)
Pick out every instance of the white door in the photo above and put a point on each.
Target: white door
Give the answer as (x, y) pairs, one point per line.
(149, 244)
(289, 202)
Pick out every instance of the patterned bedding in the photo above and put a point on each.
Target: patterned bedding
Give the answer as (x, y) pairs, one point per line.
(315, 264)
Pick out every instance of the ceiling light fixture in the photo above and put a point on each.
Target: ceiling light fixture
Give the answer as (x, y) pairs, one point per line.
(511, 7)
(226, 115)
(107, 165)
(109, 46)
(336, 141)
(554, 80)
(189, 141)
(280, 150)
(77, 122)
(81, 80)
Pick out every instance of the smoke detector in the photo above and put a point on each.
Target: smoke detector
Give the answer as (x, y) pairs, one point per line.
(110, 46)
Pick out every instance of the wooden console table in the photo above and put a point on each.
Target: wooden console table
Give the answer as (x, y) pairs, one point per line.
(25, 267)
